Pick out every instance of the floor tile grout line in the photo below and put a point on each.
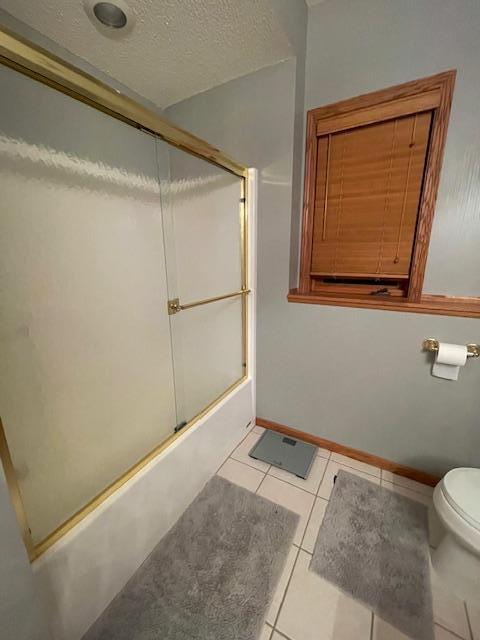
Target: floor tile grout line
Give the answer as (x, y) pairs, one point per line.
(264, 473)
(404, 486)
(421, 498)
(313, 507)
(318, 455)
(280, 633)
(453, 633)
(347, 468)
(286, 590)
(245, 464)
(264, 476)
(304, 550)
(398, 484)
(435, 624)
(297, 487)
(249, 465)
(323, 478)
(291, 483)
(271, 630)
(233, 450)
(308, 522)
(469, 624)
(261, 482)
(344, 464)
(395, 484)
(372, 466)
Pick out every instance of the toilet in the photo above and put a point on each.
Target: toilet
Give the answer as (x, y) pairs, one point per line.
(457, 558)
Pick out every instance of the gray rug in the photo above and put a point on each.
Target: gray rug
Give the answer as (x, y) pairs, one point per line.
(211, 577)
(373, 544)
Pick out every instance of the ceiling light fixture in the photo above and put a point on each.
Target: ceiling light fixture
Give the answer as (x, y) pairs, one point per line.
(112, 19)
(110, 15)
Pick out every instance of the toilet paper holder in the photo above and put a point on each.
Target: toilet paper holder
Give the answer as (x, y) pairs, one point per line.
(431, 344)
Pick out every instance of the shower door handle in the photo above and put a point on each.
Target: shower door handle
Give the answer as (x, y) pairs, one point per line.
(174, 306)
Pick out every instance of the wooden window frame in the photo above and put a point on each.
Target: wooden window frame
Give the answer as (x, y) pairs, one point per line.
(431, 93)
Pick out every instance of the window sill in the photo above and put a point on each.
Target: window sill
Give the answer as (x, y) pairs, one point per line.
(430, 304)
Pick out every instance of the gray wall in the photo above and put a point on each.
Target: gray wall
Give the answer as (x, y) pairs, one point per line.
(355, 376)
(294, 18)
(357, 46)
(21, 613)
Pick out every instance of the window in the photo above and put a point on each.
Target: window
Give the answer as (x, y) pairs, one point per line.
(371, 177)
(367, 194)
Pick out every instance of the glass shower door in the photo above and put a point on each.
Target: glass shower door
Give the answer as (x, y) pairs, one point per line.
(87, 388)
(122, 299)
(202, 206)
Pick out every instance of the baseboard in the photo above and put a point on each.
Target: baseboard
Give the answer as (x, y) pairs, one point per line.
(356, 454)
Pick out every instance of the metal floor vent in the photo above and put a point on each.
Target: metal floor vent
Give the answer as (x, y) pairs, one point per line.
(286, 453)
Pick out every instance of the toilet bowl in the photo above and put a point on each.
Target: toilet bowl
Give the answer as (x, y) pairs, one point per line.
(457, 558)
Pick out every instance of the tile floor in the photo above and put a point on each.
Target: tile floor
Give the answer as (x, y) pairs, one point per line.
(306, 607)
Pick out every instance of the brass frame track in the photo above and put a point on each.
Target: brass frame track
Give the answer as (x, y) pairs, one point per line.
(40, 65)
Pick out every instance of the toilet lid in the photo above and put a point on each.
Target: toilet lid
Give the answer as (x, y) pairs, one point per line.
(461, 488)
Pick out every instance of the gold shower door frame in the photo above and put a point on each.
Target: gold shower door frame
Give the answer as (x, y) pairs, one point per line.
(37, 63)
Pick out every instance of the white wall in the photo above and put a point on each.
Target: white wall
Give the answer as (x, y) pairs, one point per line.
(357, 376)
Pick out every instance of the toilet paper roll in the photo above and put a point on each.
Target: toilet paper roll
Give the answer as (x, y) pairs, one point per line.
(449, 359)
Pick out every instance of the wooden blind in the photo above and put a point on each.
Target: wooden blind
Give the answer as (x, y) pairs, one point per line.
(368, 188)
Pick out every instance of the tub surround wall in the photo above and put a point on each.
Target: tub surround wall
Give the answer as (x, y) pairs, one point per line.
(80, 575)
(21, 612)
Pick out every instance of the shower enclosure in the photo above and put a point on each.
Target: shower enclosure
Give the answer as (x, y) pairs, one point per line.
(123, 287)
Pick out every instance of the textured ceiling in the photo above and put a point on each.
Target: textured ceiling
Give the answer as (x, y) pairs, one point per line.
(176, 49)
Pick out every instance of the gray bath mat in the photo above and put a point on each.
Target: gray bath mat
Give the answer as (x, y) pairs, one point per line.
(211, 577)
(373, 544)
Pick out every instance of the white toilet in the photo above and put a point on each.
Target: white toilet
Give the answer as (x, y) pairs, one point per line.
(457, 559)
